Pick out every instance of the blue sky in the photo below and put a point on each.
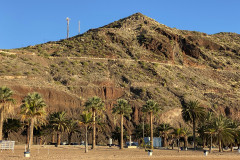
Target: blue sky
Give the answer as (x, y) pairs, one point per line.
(30, 22)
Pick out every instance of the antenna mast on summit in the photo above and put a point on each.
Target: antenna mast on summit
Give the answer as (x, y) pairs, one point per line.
(78, 27)
(68, 19)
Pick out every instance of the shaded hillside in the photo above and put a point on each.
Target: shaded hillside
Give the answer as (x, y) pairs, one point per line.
(134, 58)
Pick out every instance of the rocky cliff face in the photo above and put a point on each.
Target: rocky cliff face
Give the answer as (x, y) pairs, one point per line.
(135, 58)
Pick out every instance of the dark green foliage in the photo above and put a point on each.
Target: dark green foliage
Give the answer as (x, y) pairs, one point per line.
(122, 107)
(116, 134)
(192, 112)
(151, 107)
(138, 132)
(11, 125)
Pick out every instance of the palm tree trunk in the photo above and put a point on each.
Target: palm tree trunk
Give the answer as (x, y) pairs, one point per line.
(69, 138)
(86, 140)
(178, 145)
(173, 144)
(185, 142)
(151, 126)
(121, 142)
(194, 134)
(210, 145)
(1, 122)
(165, 140)
(143, 130)
(219, 145)
(30, 134)
(40, 140)
(58, 138)
(94, 130)
(204, 141)
(7, 135)
(53, 137)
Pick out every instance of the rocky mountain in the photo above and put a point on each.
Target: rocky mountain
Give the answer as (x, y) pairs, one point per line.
(135, 58)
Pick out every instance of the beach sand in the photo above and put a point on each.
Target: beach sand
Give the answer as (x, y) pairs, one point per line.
(104, 152)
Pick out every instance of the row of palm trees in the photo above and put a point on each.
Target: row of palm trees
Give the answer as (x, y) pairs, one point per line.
(33, 113)
(221, 130)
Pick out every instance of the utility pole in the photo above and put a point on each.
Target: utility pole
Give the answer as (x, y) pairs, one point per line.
(68, 19)
(78, 27)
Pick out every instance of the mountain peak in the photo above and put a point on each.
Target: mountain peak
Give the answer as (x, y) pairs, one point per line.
(138, 14)
(136, 18)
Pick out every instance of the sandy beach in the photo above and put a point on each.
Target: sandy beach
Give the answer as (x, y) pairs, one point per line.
(104, 152)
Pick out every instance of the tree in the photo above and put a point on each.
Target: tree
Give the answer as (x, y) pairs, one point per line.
(185, 134)
(164, 130)
(11, 125)
(71, 128)
(86, 121)
(40, 132)
(123, 109)
(178, 133)
(116, 134)
(223, 130)
(138, 131)
(6, 102)
(192, 112)
(151, 108)
(238, 138)
(212, 132)
(97, 106)
(59, 124)
(204, 126)
(33, 109)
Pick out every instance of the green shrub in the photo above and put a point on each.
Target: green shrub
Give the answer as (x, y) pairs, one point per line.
(3, 54)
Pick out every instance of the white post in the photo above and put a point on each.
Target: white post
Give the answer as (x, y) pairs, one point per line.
(110, 142)
(68, 19)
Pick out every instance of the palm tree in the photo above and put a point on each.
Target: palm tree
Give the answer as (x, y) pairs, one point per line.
(212, 132)
(71, 128)
(235, 126)
(116, 134)
(33, 110)
(86, 121)
(11, 125)
(59, 124)
(164, 130)
(223, 130)
(5, 105)
(238, 138)
(192, 112)
(203, 129)
(97, 106)
(151, 108)
(178, 133)
(185, 134)
(123, 109)
(139, 133)
(40, 132)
